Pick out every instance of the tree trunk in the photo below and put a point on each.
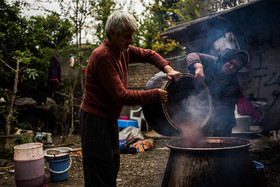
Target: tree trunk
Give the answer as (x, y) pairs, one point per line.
(76, 24)
(82, 83)
(10, 103)
(80, 35)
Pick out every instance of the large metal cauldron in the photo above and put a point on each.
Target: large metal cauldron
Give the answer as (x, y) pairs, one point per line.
(188, 103)
(215, 162)
(196, 161)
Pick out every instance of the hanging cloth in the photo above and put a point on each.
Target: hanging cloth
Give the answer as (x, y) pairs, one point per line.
(54, 71)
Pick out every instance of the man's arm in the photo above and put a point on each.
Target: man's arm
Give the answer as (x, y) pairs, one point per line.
(147, 55)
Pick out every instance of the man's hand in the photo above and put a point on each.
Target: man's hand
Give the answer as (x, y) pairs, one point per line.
(163, 95)
(172, 74)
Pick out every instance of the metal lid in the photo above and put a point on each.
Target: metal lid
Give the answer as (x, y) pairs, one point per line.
(57, 153)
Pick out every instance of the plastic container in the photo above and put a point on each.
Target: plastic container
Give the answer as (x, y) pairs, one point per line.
(123, 117)
(260, 176)
(29, 165)
(58, 159)
(59, 169)
(127, 123)
(259, 166)
(242, 124)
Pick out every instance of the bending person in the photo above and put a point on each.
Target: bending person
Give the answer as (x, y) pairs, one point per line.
(220, 76)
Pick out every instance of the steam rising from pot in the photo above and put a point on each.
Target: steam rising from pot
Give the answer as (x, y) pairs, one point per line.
(195, 109)
(188, 109)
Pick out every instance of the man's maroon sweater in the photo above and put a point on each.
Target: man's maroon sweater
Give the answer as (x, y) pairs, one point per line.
(106, 81)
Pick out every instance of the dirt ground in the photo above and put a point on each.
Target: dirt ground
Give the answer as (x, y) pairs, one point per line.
(147, 168)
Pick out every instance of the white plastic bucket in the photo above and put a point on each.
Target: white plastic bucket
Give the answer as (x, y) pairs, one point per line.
(28, 151)
(29, 164)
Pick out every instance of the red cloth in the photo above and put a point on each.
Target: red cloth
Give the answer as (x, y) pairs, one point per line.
(245, 107)
(142, 146)
(106, 81)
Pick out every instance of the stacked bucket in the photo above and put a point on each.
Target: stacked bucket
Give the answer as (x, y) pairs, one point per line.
(58, 163)
(29, 165)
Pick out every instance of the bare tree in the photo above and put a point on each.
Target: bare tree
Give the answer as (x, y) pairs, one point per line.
(77, 11)
(11, 98)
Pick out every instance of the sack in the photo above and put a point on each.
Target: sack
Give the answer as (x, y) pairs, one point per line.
(130, 134)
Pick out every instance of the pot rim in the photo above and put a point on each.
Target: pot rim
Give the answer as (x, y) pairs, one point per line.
(246, 144)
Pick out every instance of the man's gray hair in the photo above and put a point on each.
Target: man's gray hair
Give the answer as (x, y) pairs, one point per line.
(119, 22)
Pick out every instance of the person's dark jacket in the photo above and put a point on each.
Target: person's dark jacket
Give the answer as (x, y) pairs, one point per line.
(224, 91)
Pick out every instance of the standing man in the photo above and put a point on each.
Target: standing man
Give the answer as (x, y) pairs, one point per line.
(220, 76)
(106, 93)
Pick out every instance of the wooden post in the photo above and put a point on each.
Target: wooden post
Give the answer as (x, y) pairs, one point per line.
(71, 130)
